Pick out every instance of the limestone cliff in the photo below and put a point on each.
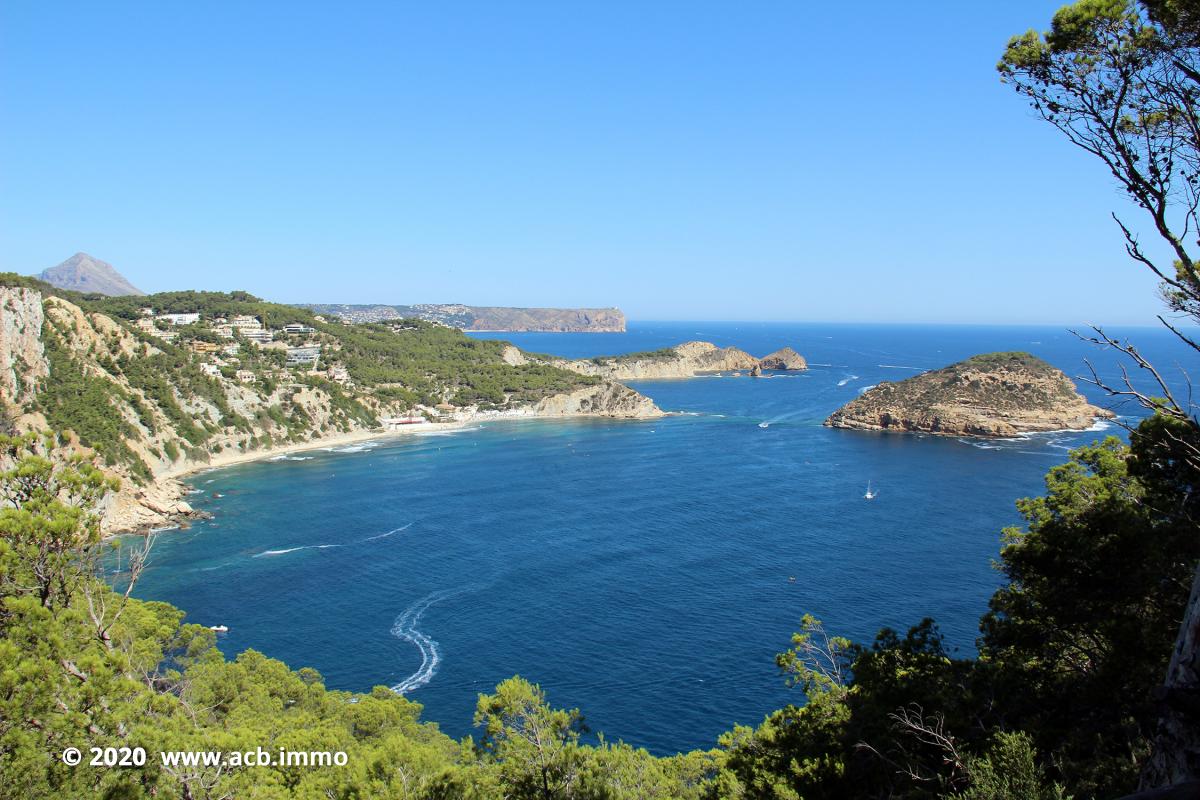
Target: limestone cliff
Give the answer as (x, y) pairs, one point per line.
(22, 356)
(607, 399)
(990, 395)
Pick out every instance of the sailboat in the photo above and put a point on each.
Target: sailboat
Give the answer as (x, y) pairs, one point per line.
(870, 495)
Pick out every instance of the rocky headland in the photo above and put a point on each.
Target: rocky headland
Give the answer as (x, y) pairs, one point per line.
(989, 395)
(682, 361)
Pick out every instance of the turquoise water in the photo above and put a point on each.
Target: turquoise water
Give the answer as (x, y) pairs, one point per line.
(640, 570)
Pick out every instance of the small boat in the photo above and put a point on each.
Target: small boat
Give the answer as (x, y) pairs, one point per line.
(764, 424)
(870, 495)
(219, 628)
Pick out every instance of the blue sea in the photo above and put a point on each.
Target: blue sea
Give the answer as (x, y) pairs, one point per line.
(646, 572)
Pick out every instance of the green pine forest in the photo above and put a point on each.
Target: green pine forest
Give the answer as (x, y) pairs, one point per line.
(1073, 692)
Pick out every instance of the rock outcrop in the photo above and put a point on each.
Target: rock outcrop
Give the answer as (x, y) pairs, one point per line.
(22, 355)
(603, 400)
(784, 358)
(990, 395)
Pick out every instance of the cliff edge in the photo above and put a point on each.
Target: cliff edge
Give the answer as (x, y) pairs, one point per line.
(989, 395)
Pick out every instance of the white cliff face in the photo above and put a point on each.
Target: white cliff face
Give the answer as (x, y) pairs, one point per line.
(604, 400)
(22, 356)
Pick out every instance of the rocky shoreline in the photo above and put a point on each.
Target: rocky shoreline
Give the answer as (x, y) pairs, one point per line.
(994, 395)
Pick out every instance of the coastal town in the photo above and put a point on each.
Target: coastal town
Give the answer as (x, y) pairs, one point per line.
(225, 343)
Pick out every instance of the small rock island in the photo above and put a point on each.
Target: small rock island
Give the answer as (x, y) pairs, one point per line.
(990, 395)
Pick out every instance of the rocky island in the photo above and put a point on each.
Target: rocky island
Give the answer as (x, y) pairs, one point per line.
(989, 395)
(681, 361)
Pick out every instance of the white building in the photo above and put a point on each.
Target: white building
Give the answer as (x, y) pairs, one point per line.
(210, 369)
(245, 376)
(260, 336)
(190, 318)
(293, 328)
(303, 356)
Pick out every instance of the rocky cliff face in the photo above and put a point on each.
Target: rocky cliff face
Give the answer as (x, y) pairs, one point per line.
(991, 395)
(22, 356)
(784, 358)
(604, 400)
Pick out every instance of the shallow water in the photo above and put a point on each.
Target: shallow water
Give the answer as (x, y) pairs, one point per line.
(641, 571)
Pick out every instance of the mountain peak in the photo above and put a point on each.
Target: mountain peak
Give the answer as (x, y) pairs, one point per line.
(83, 273)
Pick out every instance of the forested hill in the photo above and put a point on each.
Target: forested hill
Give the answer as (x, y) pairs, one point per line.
(156, 383)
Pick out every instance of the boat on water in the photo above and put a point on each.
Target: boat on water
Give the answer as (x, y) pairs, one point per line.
(764, 424)
(870, 495)
(219, 628)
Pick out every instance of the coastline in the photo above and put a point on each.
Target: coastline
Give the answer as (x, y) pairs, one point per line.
(163, 503)
(229, 459)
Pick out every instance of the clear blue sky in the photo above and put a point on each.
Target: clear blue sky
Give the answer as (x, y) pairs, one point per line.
(681, 160)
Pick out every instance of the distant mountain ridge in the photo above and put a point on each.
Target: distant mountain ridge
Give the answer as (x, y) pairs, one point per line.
(82, 273)
(484, 318)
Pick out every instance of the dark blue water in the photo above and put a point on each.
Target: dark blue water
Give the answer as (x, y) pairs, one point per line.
(637, 570)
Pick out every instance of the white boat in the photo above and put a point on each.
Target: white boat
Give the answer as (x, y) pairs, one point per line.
(764, 424)
(219, 628)
(870, 495)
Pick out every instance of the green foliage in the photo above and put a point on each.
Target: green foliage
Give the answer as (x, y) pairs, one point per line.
(434, 363)
(1009, 771)
(1073, 646)
(644, 355)
(73, 399)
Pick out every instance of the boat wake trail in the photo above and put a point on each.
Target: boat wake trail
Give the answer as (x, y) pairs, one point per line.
(389, 533)
(405, 627)
(847, 379)
(294, 549)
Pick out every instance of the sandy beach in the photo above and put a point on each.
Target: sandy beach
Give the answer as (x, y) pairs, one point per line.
(230, 458)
